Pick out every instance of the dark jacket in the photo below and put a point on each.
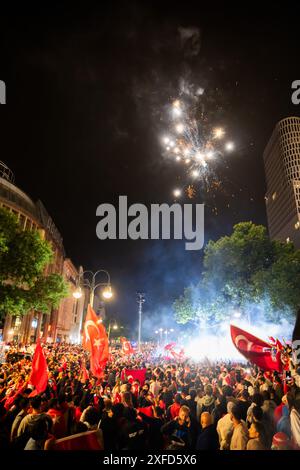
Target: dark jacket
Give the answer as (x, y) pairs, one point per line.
(208, 439)
(187, 433)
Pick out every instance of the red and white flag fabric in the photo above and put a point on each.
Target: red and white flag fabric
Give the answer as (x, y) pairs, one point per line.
(84, 375)
(96, 342)
(178, 356)
(39, 372)
(134, 374)
(169, 346)
(126, 346)
(256, 350)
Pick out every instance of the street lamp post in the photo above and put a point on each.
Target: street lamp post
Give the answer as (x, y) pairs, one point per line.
(91, 284)
(167, 332)
(115, 327)
(140, 300)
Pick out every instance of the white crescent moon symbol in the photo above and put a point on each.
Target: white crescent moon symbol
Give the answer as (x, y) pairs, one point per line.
(87, 324)
(243, 338)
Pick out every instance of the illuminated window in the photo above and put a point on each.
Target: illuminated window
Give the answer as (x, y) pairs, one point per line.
(297, 225)
(274, 196)
(288, 240)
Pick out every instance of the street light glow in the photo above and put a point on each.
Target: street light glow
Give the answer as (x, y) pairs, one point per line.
(177, 192)
(77, 293)
(107, 293)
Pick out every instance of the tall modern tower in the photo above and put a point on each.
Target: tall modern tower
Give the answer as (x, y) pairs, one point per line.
(282, 169)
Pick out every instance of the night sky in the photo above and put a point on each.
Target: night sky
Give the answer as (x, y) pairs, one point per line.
(87, 93)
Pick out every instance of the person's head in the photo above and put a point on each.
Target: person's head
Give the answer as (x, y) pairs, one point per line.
(107, 404)
(61, 398)
(184, 413)
(127, 399)
(257, 413)
(257, 431)
(236, 414)
(206, 419)
(266, 395)
(245, 395)
(227, 391)
(281, 441)
(192, 393)
(92, 416)
(208, 390)
(230, 405)
(53, 403)
(118, 410)
(36, 403)
(24, 403)
(178, 399)
(258, 399)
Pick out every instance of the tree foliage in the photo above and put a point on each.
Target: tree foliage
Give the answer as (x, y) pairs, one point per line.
(23, 257)
(242, 271)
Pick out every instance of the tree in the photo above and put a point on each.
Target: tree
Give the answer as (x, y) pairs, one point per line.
(248, 271)
(23, 257)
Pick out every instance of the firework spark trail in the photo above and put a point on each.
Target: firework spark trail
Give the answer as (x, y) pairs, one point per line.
(192, 142)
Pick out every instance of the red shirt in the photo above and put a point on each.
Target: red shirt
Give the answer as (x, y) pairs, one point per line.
(174, 410)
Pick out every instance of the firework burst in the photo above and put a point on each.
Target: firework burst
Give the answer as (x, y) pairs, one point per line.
(191, 142)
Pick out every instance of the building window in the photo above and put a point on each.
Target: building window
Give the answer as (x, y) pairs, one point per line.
(274, 196)
(297, 225)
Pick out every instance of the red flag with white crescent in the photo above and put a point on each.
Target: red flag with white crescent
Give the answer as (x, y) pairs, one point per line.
(255, 350)
(126, 346)
(95, 340)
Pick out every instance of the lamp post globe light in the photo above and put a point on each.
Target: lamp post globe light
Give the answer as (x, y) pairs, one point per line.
(87, 279)
(92, 286)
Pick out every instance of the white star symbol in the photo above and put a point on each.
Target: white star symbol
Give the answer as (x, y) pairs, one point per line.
(97, 343)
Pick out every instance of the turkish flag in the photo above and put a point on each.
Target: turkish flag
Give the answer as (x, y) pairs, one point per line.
(134, 374)
(89, 440)
(39, 372)
(170, 346)
(95, 340)
(148, 411)
(255, 350)
(126, 346)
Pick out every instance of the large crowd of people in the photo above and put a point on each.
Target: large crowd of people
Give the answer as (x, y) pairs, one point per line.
(179, 405)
